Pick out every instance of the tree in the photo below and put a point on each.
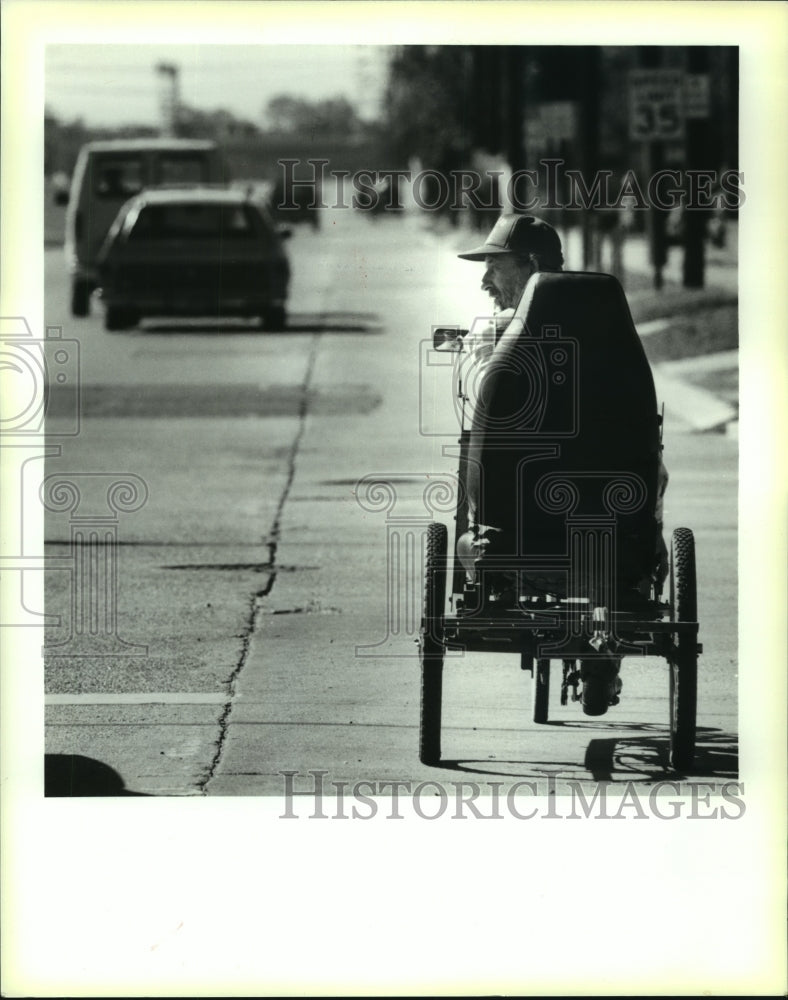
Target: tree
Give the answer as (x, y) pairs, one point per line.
(220, 124)
(427, 101)
(332, 117)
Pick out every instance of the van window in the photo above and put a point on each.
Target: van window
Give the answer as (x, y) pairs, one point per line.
(118, 177)
(166, 222)
(182, 169)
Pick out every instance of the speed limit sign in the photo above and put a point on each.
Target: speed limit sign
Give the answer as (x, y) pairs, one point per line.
(656, 104)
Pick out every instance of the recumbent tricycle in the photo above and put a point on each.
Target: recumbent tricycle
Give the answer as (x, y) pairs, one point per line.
(555, 552)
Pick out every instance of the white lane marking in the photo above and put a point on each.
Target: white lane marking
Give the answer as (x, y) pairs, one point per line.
(137, 698)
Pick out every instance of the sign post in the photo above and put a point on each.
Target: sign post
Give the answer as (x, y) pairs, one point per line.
(697, 109)
(656, 116)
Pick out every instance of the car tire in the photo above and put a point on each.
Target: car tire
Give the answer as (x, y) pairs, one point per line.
(275, 318)
(80, 297)
(117, 318)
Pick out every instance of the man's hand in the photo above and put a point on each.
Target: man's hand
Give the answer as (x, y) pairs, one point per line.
(479, 343)
(485, 541)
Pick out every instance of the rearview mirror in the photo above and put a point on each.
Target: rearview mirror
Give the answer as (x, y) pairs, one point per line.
(447, 338)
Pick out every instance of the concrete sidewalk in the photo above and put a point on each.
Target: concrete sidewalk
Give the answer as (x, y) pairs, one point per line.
(702, 395)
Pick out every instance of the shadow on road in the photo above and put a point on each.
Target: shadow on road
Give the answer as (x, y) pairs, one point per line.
(333, 322)
(644, 757)
(74, 776)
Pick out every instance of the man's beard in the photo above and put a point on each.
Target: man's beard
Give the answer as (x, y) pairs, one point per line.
(496, 295)
(499, 300)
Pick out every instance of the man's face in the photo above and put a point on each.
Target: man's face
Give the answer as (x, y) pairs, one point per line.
(504, 279)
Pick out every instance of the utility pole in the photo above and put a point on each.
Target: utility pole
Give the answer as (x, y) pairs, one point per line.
(589, 143)
(696, 216)
(656, 115)
(514, 113)
(656, 219)
(169, 97)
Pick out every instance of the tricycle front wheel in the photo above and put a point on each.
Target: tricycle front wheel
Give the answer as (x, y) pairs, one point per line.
(541, 690)
(431, 645)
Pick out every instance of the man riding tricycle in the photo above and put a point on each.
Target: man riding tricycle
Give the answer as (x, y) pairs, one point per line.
(558, 552)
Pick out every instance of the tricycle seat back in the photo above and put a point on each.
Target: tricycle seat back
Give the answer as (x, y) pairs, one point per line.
(565, 426)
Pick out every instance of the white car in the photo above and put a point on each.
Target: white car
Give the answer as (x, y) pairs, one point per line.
(106, 175)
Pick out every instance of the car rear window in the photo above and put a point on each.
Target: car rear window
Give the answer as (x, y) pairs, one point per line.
(197, 221)
(118, 176)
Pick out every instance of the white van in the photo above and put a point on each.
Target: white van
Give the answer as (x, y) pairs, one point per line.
(110, 172)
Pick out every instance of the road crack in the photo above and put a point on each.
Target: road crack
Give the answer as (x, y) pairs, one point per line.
(257, 599)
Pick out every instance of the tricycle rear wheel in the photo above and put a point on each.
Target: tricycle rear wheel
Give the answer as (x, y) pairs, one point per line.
(683, 662)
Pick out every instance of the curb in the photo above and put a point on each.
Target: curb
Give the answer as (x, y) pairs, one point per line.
(699, 408)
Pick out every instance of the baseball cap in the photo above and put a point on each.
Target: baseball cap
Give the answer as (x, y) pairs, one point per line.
(520, 234)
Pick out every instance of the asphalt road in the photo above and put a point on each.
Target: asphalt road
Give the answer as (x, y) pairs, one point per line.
(254, 627)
